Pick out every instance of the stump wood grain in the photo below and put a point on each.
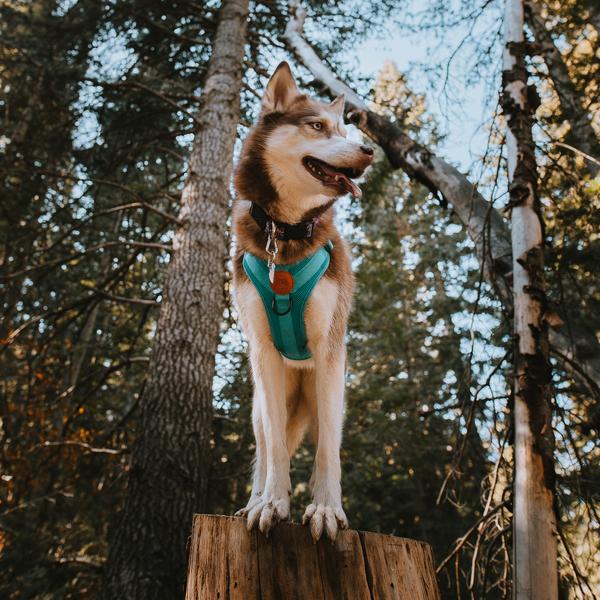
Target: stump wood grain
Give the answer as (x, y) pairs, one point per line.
(226, 562)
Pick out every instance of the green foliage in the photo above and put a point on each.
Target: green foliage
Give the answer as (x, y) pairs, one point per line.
(83, 274)
(96, 104)
(405, 366)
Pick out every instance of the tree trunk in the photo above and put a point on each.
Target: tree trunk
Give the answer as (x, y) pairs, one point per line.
(227, 561)
(578, 348)
(171, 456)
(581, 135)
(534, 521)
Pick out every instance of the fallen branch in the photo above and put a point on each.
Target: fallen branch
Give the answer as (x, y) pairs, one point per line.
(484, 224)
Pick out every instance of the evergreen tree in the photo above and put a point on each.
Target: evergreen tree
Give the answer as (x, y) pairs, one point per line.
(97, 106)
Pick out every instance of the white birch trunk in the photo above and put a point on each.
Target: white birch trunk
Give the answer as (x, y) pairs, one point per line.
(534, 525)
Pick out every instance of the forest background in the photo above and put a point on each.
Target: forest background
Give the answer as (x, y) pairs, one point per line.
(101, 102)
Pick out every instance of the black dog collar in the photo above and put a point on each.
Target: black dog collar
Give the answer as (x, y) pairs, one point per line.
(284, 231)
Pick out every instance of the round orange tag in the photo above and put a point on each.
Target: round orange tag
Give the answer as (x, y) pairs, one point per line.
(283, 282)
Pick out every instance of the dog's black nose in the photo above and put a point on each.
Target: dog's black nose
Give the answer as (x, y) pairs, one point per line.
(367, 150)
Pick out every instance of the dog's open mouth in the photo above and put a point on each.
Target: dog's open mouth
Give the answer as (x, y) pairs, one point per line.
(338, 177)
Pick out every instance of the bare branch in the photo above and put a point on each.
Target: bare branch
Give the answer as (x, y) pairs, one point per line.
(84, 561)
(83, 445)
(65, 259)
(293, 36)
(580, 152)
(479, 217)
(125, 299)
(463, 540)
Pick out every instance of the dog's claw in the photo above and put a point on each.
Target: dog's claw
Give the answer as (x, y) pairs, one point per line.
(316, 525)
(266, 519)
(331, 525)
(322, 517)
(308, 513)
(243, 512)
(266, 514)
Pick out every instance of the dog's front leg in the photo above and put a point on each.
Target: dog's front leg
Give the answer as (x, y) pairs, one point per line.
(259, 471)
(269, 380)
(326, 507)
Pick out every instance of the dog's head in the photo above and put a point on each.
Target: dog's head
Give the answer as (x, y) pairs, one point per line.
(298, 156)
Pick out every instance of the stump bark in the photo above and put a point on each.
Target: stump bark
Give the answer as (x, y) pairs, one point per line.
(227, 562)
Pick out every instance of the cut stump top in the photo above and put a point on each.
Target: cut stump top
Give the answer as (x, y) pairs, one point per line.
(229, 563)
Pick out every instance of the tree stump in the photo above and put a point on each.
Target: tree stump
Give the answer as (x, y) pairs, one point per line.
(229, 563)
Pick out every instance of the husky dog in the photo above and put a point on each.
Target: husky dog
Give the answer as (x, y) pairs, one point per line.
(295, 162)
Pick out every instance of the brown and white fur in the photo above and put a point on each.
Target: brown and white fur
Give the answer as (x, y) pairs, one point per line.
(292, 397)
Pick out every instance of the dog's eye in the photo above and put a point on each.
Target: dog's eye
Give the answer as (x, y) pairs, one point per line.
(317, 125)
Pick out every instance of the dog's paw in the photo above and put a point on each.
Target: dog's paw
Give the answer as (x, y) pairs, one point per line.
(254, 500)
(266, 513)
(329, 518)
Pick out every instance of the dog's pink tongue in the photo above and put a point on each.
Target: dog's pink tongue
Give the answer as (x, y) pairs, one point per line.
(349, 186)
(344, 182)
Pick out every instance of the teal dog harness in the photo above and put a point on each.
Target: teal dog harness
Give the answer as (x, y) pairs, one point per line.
(285, 312)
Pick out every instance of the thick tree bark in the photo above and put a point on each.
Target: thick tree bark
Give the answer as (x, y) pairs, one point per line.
(581, 135)
(168, 477)
(534, 521)
(577, 347)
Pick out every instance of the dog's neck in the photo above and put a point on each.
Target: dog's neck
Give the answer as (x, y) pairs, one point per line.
(292, 206)
(252, 237)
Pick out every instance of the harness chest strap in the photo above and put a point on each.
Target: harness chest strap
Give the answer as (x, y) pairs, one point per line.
(285, 312)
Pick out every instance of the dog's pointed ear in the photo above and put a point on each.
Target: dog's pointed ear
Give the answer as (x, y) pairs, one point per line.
(338, 104)
(281, 90)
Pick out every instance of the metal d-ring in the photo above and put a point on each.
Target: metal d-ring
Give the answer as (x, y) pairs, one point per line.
(274, 307)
